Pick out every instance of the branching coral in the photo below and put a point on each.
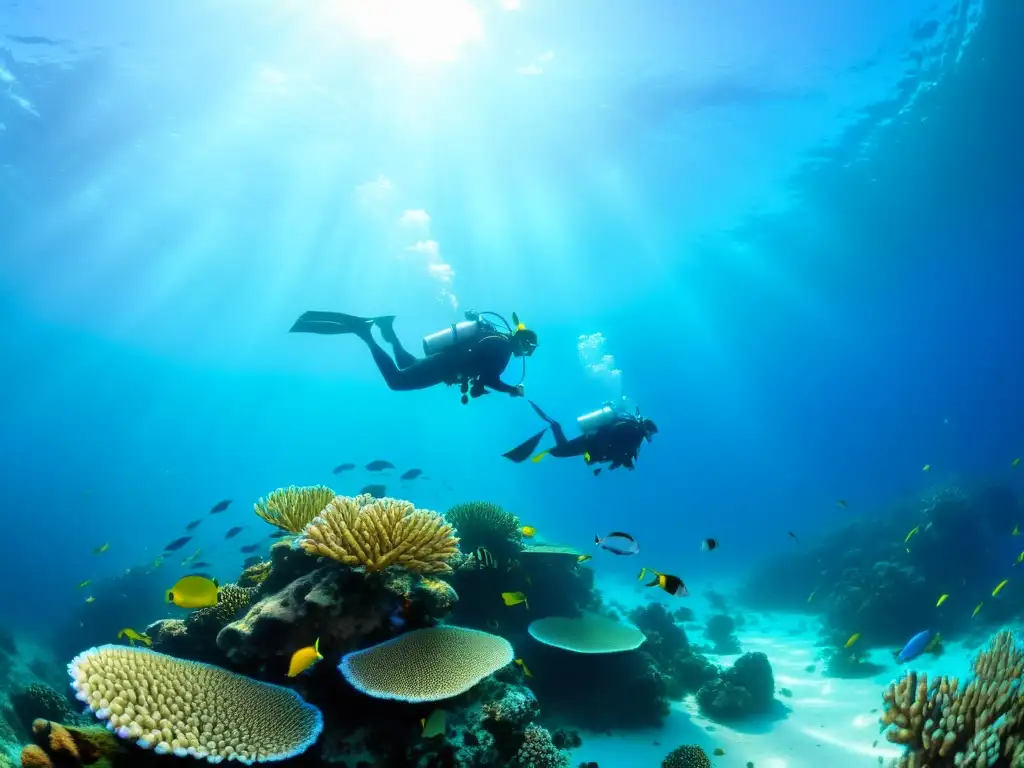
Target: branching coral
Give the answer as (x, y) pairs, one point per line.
(687, 756)
(945, 723)
(186, 708)
(482, 524)
(539, 751)
(380, 534)
(256, 574)
(292, 508)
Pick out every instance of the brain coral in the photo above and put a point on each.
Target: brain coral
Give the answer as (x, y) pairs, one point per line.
(427, 664)
(380, 534)
(292, 508)
(482, 524)
(187, 708)
(589, 633)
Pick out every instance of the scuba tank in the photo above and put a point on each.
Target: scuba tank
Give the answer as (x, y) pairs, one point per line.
(456, 333)
(591, 422)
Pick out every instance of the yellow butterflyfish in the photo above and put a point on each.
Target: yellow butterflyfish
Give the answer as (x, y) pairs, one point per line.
(194, 592)
(304, 658)
(978, 608)
(1020, 559)
(853, 639)
(1015, 531)
(942, 599)
(584, 558)
(101, 548)
(435, 725)
(131, 635)
(913, 532)
(586, 457)
(528, 531)
(999, 587)
(526, 669)
(515, 598)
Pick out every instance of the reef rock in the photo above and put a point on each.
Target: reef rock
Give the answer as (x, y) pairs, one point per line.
(720, 630)
(745, 690)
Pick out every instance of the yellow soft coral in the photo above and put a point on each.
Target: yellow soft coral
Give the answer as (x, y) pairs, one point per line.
(292, 508)
(379, 534)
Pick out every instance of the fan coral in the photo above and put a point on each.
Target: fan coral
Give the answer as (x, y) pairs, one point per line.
(482, 524)
(187, 708)
(945, 724)
(427, 664)
(687, 756)
(538, 751)
(380, 534)
(293, 507)
(590, 633)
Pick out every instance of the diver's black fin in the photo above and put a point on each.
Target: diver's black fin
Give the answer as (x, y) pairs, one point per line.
(329, 323)
(540, 413)
(522, 452)
(597, 471)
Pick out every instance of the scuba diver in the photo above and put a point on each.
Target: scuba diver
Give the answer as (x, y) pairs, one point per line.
(608, 435)
(472, 353)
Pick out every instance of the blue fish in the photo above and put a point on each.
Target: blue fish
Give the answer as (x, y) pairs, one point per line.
(915, 646)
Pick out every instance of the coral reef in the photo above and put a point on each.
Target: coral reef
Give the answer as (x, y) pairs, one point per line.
(590, 633)
(744, 690)
(687, 756)
(38, 700)
(721, 631)
(482, 524)
(379, 534)
(426, 664)
(684, 670)
(291, 509)
(538, 751)
(60, 746)
(187, 708)
(944, 723)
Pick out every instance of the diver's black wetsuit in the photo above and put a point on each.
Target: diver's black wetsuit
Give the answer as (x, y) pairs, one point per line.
(478, 363)
(617, 444)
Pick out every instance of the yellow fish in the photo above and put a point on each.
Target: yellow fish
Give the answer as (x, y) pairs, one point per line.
(515, 598)
(1020, 559)
(539, 456)
(526, 669)
(528, 531)
(811, 596)
(640, 576)
(1015, 531)
(434, 725)
(90, 599)
(853, 639)
(194, 592)
(304, 658)
(942, 599)
(999, 587)
(85, 584)
(101, 548)
(584, 558)
(926, 468)
(975, 613)
(131, 635)
(586, 457)
(1015, 462)
(913, 532)
(842, 503)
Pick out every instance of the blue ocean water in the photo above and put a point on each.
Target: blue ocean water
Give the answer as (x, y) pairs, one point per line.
(789, 232)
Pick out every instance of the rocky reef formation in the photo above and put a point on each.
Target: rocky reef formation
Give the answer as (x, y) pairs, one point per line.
(747, 689)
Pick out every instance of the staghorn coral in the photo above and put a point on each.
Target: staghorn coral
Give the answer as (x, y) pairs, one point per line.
(482, 524)
(538, 750)
(687, 756)
(427, 664)
(590, 633)
(380, 534)
(945, 723)
(293, 507)
(187, 708)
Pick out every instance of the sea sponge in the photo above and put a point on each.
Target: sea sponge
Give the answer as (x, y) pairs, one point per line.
(539, 751)
(945, 724)
(380, 534)
(427, 664)
(589, 633)
(687, 756)
(482, 524)
(186, 708)
(293, 507)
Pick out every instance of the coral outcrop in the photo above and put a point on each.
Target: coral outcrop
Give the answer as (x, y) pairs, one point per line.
(684, 670)
(539, 751)
(746, 689)
(687, 756)
(721, 631)
(380, 534)
(945, 722)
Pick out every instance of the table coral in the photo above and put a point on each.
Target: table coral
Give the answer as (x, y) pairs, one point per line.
(590, 633)
(945, 723)
(381, 534)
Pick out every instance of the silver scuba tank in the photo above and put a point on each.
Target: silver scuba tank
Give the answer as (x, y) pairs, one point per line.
(595, 420)
(456, 333)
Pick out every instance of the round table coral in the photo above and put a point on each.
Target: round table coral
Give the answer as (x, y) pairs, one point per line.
(180, 707)
(589, 633)
(427, 664)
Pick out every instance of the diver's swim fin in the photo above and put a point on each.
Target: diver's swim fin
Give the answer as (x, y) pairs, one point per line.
(541, 413)
(522, 452)
(329, 323)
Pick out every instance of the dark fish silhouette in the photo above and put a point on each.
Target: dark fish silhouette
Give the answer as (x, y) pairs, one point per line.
(280, 534)
(249, 548)
(200, 565)
(233, 532)
(220, 506)
(177, 543)
(343, 468)
(377, 491)
(379, 465)
(412, 474)
(193, 525)
(794, 537)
